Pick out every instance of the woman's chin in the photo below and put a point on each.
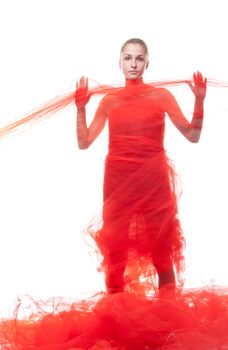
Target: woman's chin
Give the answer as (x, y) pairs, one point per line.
(133, 77)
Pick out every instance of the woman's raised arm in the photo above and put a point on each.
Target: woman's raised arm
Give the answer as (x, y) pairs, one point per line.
(86, 135)
(191, 130)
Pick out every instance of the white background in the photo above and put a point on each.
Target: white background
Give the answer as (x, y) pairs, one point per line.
(49, 190)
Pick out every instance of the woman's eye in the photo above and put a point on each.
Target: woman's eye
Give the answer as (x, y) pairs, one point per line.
(140, 59)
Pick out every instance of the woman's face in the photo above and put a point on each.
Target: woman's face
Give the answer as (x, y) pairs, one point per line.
(133, 61)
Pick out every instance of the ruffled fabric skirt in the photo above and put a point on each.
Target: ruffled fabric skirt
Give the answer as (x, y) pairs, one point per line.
(139, 235)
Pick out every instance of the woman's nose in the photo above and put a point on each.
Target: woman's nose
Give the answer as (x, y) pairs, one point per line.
(133, 64)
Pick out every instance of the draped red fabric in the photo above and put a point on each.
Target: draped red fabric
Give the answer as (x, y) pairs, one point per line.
(138, 236)
(195, 319)
(61, 102)
(140, 232)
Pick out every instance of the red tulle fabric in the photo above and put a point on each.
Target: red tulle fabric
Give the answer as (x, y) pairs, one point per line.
(196, 319)
(138, 235)
(140, 230)
(61, 102)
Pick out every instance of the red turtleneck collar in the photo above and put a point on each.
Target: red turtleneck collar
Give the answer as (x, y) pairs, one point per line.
(133, 82)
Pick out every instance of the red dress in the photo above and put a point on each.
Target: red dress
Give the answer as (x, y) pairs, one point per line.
(141, 232)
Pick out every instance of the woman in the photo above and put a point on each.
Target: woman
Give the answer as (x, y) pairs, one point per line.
(141, 233)
(140, 236)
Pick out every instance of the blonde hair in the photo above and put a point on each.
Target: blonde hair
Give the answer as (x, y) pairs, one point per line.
(135, 41)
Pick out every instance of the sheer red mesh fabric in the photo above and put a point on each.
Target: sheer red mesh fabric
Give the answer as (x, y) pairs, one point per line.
(139, 233)
(196, 319)
(61, 102)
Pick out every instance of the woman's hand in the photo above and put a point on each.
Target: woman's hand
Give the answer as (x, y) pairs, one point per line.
(82, 96)
(199, 86)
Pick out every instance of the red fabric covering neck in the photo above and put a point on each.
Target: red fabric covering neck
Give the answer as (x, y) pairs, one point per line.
(133, 82)
(58, 103)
